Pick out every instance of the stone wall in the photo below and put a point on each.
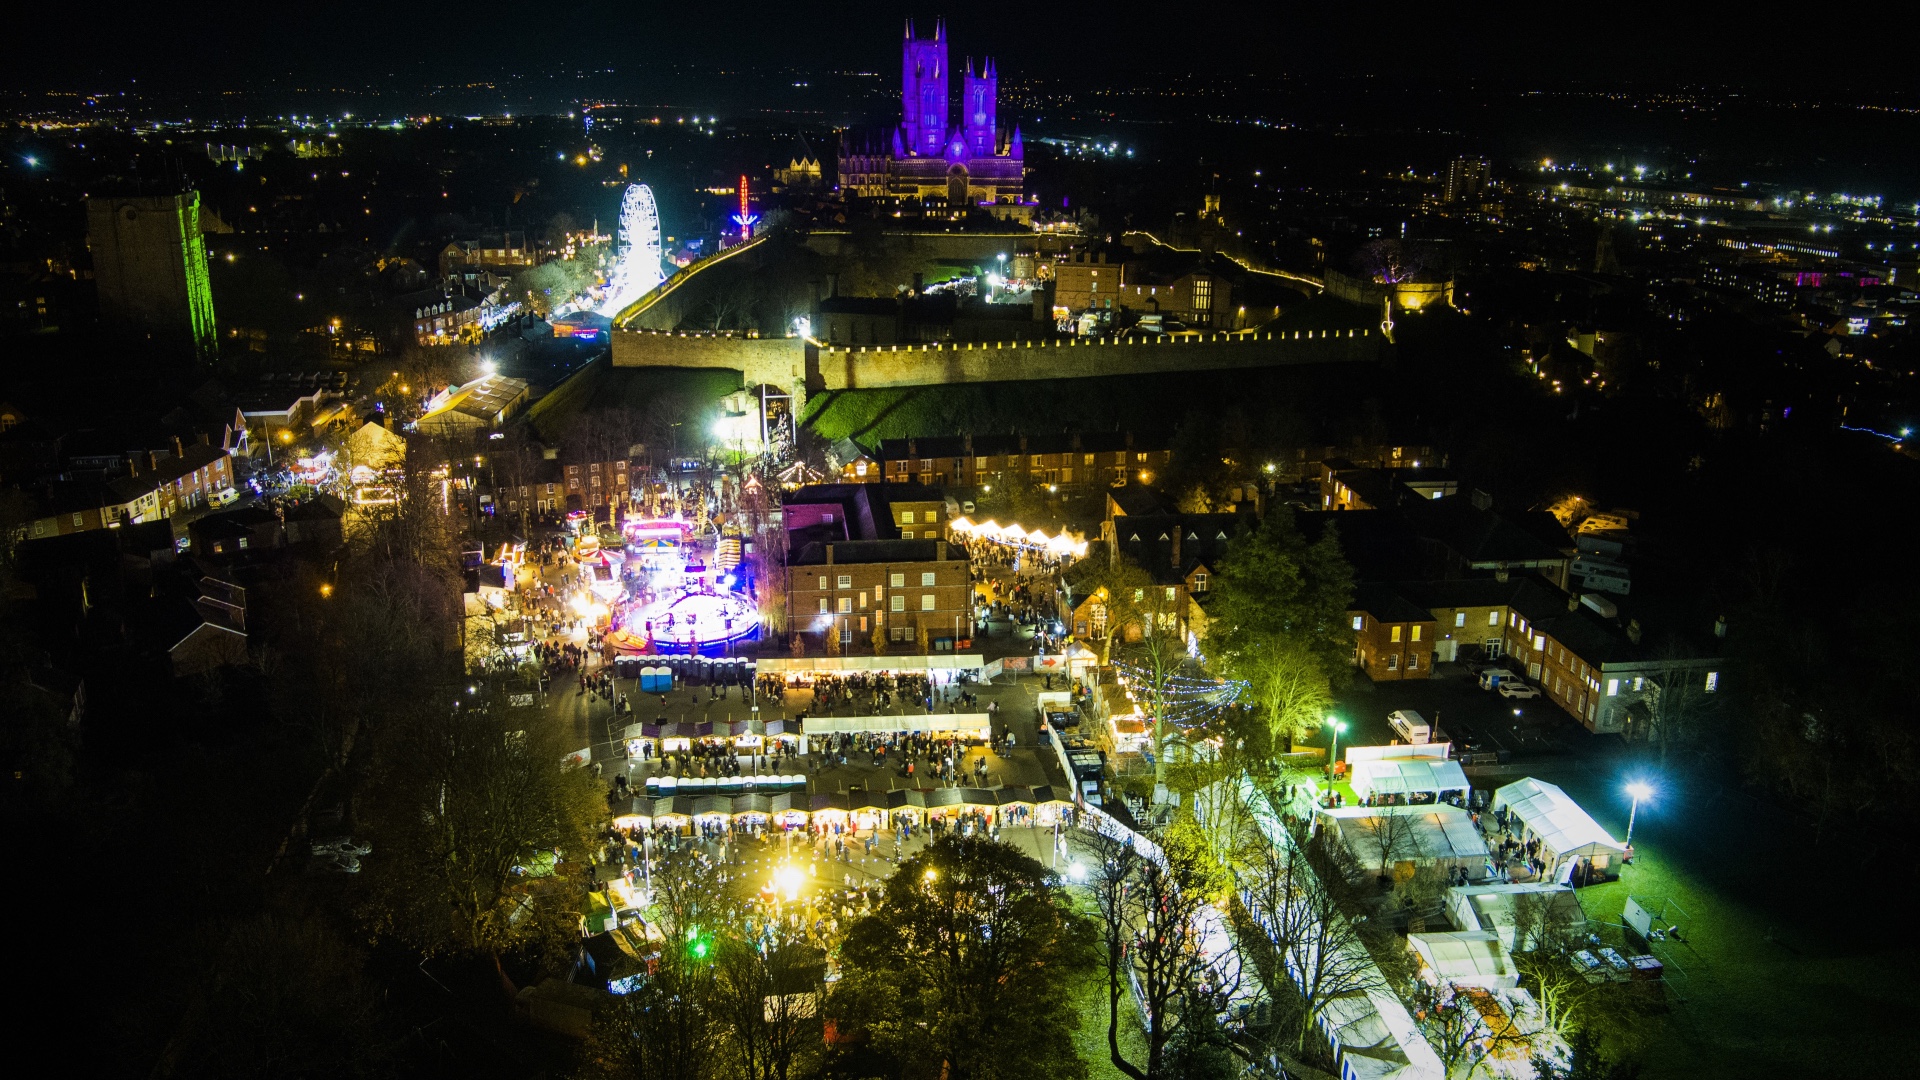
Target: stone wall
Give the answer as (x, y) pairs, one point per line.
(924, 365)
(780, 361)
(796, 365)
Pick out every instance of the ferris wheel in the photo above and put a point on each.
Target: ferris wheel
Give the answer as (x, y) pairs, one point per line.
(637, 270)
(640, 232)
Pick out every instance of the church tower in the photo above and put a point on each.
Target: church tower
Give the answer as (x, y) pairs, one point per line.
(980, 104)
(924, 105)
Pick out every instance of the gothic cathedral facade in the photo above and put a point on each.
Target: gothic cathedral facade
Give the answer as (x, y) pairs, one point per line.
(968, 163)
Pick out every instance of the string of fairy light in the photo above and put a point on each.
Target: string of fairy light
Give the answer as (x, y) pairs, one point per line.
(1184, 701)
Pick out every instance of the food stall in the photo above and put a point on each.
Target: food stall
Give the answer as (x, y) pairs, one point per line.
(1051, 807)
(788, 810)
(867, 810)
(907, 807)
(828, 809)
(1016, 806)
(752, 809)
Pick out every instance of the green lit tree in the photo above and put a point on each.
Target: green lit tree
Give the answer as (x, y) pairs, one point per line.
(963, 969)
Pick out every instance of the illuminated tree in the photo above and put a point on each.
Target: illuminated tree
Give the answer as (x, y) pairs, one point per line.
(1147, 908)
(1277, 621)
(963, 968)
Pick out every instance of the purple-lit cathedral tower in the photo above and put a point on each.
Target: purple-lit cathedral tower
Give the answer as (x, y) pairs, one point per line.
(929, 155)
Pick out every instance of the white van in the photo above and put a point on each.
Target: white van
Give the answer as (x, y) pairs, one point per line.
(1411, 726)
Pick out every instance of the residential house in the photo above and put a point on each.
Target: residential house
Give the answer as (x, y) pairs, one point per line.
(597, 483)
(1078, 462)
(1393, 636)
(1180, 552)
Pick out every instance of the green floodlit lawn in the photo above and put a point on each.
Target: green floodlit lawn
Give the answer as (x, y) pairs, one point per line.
(1090, 1001)
(1827, 995)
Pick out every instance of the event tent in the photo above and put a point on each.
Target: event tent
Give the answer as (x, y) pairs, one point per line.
(1543, 811)
(1497, 909)
(1407, 776)
(1464, 957)
(1426, 835)
(975, 723)
(834, 665)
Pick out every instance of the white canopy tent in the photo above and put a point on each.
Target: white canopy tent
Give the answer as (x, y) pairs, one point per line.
(1407, 776)
(836, 665)
(1566, 833)
(1498, 909)
(976, 723)
(1380, 837)
(1464, 957)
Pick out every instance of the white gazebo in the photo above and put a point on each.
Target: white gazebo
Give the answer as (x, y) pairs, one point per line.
(1567, 835)
(1407, 777)
(1464, 958)
(1382, 837)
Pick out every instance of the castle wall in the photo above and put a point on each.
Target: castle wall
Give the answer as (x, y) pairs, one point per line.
(781, 361)
(796, 365)
(922, 365)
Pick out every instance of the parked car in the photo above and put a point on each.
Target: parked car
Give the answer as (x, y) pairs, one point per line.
(1514, 688)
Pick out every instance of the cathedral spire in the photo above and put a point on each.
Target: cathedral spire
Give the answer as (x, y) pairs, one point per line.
(909, 29)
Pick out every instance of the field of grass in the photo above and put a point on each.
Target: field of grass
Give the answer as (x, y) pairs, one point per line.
(1090, 1001)
(1792, 966)
(600, 385)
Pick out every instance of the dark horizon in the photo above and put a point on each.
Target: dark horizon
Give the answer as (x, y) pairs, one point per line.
(358, 45)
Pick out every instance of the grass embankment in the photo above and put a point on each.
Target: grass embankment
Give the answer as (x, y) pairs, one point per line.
(1298, 399)
(600, 385)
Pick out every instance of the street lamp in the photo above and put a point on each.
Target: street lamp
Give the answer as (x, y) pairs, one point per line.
(1639, 791)
(1337, 725)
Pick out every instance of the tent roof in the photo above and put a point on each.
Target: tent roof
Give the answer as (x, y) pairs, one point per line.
(1555, 818)
(1405, 776)
(1473, 957)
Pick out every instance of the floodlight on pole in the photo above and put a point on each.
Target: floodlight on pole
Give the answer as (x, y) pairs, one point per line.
(1639, 791)
(1336, 725)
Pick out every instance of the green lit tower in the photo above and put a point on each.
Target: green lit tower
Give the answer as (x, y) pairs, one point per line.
(150, 265)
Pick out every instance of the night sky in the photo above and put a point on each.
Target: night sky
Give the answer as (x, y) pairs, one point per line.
(241, 45)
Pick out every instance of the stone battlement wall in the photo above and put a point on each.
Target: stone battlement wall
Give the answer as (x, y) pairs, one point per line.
(780, 361)
(873, 366)
(792, 362)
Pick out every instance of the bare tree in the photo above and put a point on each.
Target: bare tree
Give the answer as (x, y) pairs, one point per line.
(1148, 905)
(1457, 1026)
(1293, 896)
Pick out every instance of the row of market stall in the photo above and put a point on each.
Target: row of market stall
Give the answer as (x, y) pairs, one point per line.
(745, 736)
(766, 736)
(859, 810)
(762, 784)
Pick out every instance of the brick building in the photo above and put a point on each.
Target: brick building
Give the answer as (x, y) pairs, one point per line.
(842, 592)
(1392, 636)
(597, 483)
(1075, 461)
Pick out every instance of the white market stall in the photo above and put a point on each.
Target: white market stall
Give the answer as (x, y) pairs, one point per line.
(1464, 958)
(1383, 837)
(1568, 836)
(975, 724)
(1409, 779)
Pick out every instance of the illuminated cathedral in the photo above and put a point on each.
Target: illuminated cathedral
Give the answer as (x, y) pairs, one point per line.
(969, 162)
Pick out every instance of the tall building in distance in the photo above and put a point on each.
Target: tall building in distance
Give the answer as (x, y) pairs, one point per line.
(1466, 180)
(929, 155)
(150, 266)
